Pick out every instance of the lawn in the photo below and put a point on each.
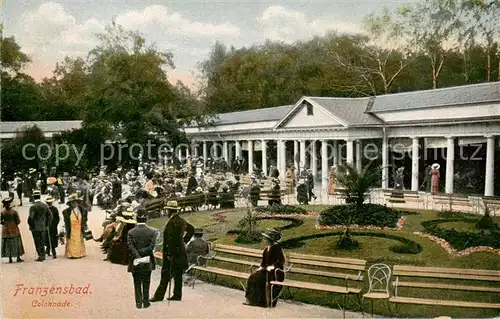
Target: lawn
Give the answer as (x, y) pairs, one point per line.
(373, 249)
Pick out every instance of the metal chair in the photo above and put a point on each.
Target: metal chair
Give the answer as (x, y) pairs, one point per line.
(379, 277)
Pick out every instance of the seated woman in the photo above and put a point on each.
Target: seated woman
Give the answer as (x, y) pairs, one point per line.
(118, 253)
(258, 291)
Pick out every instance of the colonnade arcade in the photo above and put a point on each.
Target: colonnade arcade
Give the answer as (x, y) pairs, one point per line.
(414, 153)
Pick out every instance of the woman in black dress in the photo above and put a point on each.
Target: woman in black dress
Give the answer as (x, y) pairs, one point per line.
(12, 245)
(258, 292)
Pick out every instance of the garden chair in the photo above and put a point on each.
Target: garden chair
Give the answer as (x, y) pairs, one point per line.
(208, 256)
(379, 277)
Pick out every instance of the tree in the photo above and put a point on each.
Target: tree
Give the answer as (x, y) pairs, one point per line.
(427, 26)
(129, 89)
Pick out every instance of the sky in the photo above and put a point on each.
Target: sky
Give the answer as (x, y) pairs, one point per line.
(48, 31)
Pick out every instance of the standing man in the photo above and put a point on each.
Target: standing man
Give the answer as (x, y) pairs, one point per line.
(177, 233)
(39, 221)
(18, 182)
(52, 240)
(141, 242)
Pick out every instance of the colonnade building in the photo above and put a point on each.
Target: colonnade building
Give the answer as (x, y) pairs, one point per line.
(455, 127)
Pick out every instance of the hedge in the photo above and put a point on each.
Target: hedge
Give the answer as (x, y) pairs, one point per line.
(369, 215)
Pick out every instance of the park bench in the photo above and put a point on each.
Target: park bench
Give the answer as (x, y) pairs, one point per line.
(431, 278)
(349, 270)
(192, 201)
(155, 207)
(448, 201)
(268, 195)
(404, 196)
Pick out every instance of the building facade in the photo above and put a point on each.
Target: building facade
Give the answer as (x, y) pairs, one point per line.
(456, 127)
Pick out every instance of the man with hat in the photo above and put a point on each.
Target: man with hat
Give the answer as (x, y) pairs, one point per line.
(176, 234)
(39, 221)
(18, 185)
(197, 247)
(52, 240)
(141, 242)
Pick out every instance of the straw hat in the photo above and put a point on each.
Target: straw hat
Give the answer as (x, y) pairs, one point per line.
(172, 204)
(73, 197)
(435, 166)
(50, 199)
(199, 189)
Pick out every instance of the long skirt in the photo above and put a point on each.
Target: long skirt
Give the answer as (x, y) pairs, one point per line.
(257, 287)
(118, 253)
(12, 247)
(75, 245)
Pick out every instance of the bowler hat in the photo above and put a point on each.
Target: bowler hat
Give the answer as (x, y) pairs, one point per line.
(199, 231)
(73, 197)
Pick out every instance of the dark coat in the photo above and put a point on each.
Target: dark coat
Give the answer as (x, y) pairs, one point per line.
(10, 221)
(67, 220)
(53, 226)
(40, 216)
(176, 234)
(141, 242)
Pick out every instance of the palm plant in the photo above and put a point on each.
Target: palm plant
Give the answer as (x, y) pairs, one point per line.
(356, 186)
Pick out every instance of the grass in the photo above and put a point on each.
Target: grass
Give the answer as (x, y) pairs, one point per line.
(373, 249)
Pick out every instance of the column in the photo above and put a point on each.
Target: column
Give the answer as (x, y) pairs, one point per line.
(278, 156)
(490, 166)
(350, 152)
(250, 157)
(385, 163)
(324, 165)
(187, 152)
(302, 155)
(450, 160)
(282, 164)
(314, 159)
(359, 155)
(195, 150)
(335, 153)
(225, 152)
(179, 153)
(230, 157)
(264, 157)
(296, 157)
(414, 164)
(238, 149)
(205, 153)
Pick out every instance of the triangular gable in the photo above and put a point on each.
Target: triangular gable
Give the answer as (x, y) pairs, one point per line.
(298, 117)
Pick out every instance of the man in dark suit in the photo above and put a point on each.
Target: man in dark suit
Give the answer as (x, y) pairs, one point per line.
(141, 242)
(39, 221)
(177, 233)
(51, 240)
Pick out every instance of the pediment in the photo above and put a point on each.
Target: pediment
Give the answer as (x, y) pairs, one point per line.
(308, 114)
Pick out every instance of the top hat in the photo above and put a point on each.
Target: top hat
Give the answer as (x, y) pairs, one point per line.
(73, 197)
(7, 201)
(273, 235)
(172, 204)
(49, 199)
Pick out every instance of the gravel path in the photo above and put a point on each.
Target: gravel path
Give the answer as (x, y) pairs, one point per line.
(109, 292)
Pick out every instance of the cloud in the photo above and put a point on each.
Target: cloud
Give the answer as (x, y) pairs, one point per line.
(282, 24)
(50, 33)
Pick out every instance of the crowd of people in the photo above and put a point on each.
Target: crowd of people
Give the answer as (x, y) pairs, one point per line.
(126, 195)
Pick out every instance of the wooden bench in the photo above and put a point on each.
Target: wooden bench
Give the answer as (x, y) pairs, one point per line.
(193, 201)
(447, 201)
(404, 196)
(418, 278)
(155, 207)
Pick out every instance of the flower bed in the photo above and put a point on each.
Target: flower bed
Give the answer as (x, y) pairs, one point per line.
(286, 215)
(365, 217)
(399, 226)
(452, 251)
(281, 210)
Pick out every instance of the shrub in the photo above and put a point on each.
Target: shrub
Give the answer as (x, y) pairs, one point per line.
(370, 214)
(460, 239)
(451, 214)
(281, 209)
(486, 222)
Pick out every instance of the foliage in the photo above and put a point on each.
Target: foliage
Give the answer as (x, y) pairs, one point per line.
(248, 229)
(368, 215)
(281, 209)
(460, 239)
(356, 184)
(406, 245)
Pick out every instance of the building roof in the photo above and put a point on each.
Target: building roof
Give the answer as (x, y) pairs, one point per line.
(466, 94)
(259, 115)
(45, 126)
(350, 110)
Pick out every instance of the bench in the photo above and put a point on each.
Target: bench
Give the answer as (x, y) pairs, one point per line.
(418, 278)
(155, 207)
(402, 196)
(193, 201)
(447, 201)
(347, 269)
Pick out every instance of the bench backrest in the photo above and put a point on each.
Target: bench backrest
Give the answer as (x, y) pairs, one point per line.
(236, 250)
(329, 262)
(450, 273)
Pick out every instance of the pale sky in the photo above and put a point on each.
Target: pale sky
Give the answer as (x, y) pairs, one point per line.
(49, 31)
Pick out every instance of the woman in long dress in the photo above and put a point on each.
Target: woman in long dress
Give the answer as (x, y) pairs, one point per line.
(258, 291)
(75, 224)
(435, 178)
(12, 244)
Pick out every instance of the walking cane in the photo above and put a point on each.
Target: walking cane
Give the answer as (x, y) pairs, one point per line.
(49, 239)
(169, 284)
